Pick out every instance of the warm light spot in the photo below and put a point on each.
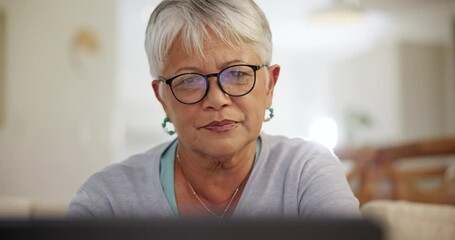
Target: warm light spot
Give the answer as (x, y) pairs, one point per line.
(325, 131)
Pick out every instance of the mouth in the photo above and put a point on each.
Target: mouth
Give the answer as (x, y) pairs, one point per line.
(221, 126)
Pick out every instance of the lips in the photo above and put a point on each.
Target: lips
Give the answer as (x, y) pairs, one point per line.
(221, 126)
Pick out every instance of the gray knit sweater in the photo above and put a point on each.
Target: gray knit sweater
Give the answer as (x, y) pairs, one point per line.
(291, 178)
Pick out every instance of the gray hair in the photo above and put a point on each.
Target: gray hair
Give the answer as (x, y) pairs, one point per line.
(233, 21)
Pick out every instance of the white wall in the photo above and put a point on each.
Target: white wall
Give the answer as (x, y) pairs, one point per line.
(405, 81)
(400, 87)
(368, 84)
(59, 103)
(423, 95)
(138, 114)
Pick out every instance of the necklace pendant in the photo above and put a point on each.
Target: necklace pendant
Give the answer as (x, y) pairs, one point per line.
(202, 203)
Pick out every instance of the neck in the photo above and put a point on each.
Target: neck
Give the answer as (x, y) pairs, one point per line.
(218, 165)
(215, 178)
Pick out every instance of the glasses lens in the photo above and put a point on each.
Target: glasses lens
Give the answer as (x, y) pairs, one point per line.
(189, 88)
(237, 80)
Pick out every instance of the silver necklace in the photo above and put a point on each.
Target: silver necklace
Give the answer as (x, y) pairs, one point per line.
(200, 200)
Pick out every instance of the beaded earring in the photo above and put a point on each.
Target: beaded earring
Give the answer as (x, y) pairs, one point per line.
(271, 115)
(165, 128)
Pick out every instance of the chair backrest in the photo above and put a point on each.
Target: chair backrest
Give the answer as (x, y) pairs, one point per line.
(379, 176)
(409, 184)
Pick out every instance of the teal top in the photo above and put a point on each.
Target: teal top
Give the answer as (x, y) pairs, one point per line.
(167, 172)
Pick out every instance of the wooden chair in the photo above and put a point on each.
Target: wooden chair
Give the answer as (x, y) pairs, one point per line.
(361, 159)
(405, 183)
(379, 177)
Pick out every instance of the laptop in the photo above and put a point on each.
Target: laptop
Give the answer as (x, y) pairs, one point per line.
(352, 229)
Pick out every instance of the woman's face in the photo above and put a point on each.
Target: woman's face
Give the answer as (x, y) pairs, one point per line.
(219, 125)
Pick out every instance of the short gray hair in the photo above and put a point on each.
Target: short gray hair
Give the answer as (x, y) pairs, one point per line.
(233, 21)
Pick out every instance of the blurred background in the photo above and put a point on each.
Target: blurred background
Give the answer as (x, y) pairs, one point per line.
(75, 91)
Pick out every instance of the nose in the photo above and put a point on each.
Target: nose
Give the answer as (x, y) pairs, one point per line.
(215, 98)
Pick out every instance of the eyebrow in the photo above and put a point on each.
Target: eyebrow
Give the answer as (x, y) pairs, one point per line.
(196, 69)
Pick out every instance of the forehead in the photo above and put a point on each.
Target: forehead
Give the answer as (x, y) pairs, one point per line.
(215, 53)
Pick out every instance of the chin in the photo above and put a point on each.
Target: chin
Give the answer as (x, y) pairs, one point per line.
(225, 147)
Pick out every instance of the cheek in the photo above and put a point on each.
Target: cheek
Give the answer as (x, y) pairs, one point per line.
(171, 105)
(255, 120)
(259, 106)
(183, 116)
(254, 113)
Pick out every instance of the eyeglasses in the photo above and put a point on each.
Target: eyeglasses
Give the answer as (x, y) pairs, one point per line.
(237, 80)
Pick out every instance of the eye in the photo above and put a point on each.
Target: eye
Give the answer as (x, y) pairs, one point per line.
(189, 81)
(236, 73)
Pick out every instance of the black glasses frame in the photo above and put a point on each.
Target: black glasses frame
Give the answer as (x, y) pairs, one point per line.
(217, 75)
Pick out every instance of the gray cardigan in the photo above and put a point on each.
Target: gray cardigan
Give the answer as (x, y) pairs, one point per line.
(291, 178)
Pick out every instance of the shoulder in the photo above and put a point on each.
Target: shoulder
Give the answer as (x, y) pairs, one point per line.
(295, 143)
(296, 157)
(129, 171)
(314, 174)
(302, 160)
(299, 149)
(115, 186)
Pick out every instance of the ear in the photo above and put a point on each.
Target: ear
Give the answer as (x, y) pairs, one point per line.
(274, 73)
(158, 95)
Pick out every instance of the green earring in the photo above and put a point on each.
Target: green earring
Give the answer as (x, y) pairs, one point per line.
(166, 130)
(271, 115)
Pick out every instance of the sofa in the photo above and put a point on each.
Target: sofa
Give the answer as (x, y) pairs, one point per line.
(402, 220)
(22, 208)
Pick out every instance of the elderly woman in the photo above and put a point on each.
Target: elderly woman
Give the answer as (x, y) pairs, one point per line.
(211, 61)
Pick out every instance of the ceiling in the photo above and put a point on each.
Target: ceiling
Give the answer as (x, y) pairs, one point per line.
(377, 21)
